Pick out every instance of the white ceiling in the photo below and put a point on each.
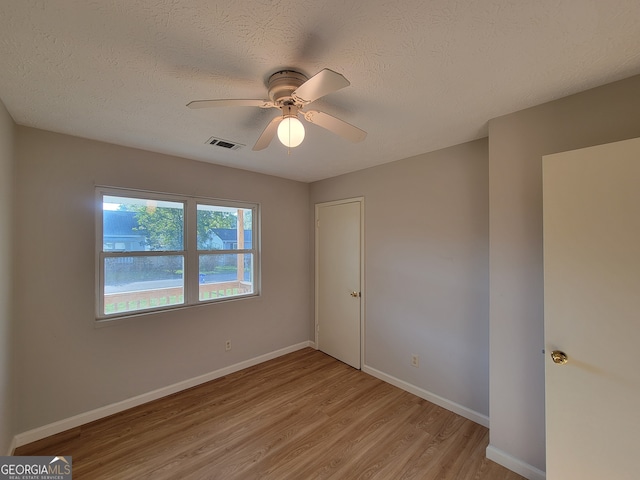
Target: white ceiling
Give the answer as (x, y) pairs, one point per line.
(424, 74)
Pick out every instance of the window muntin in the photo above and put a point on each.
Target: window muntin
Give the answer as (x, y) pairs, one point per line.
(143, 264)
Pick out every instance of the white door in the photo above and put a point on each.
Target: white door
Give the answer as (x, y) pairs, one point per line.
(338, 277)
(592, 312)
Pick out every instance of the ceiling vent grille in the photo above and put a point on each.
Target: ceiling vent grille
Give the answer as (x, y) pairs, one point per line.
(219, 142)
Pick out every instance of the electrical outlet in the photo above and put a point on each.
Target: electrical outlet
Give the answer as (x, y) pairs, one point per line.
(227, 345)
(415, 360)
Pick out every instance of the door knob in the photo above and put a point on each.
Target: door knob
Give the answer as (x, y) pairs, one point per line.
(355, 294)
(559, 357)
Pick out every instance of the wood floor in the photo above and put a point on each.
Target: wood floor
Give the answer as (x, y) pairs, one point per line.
(301, 416)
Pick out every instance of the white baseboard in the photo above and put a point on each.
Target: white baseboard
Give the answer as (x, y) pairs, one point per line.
(498, 456)
(12, 447)
(102, 412)
(527, 471)
(431, 397)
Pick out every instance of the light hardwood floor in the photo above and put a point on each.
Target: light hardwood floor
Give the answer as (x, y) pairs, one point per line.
(301, 416)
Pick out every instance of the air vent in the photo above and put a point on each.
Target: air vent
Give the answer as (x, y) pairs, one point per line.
(219, 142)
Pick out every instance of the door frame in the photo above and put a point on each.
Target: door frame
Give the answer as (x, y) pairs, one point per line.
(318, 206)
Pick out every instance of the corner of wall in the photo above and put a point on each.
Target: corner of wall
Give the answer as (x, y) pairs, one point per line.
(515, 465)
(7, 390)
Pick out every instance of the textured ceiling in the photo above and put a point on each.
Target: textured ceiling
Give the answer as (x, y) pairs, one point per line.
(424, 74)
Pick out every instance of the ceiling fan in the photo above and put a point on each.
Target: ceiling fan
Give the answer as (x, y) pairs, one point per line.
(291, 92)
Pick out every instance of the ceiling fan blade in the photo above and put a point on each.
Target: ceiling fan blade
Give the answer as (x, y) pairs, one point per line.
(335, 125)
(268, 134)
(322, 83)
(230, 103)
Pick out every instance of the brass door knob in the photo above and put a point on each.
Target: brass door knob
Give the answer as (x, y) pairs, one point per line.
(559, 357)
(355, 294)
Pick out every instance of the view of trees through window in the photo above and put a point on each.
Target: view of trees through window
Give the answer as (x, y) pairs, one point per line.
(144, 259)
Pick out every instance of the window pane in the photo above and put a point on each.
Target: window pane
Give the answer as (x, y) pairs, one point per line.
(225, 275)
(224, 228)
(139, 283)
(135, 224)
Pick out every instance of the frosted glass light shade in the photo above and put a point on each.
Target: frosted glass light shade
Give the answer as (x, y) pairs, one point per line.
(291, 132)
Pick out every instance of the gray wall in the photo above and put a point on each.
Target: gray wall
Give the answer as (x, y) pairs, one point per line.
(517, 143)
(6, 187)
(67, 366)
(426, 280)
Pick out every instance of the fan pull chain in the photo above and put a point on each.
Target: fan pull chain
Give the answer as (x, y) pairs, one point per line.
(289, 146)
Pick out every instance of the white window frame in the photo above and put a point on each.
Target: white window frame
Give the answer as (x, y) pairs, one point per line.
(190, 251)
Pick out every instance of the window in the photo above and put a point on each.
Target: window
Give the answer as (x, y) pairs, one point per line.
(225, 253)
(158, 251)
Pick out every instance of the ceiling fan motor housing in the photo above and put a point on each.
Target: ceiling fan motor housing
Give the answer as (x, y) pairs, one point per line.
(282, 84)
